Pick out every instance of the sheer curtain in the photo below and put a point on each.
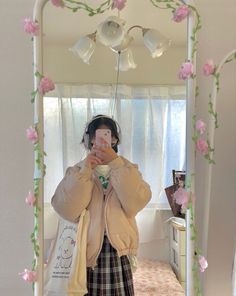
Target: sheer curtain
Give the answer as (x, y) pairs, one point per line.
(152, 121)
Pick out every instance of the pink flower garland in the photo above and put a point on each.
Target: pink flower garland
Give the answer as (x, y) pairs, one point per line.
(32, 134)
(30, 199)
(209, 68)
(202, 263)
(30, 27)
(45, 85)
(28, 275)
(119, 4)
(202, 146)
(181, 196)
(186, 71)
(58, 3)
(200, 126)
(180, 13)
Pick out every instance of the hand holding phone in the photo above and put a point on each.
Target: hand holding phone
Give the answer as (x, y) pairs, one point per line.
(103, 149)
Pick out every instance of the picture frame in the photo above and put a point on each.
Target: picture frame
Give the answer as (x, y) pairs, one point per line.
(179, 178)
(176, 209)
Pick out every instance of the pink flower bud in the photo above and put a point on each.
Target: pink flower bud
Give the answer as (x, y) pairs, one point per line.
(181, 196)
(30, 27)
(202, 263)
(180, 13)
(30, 199)
(209, 68)
(32, 135)
(58, 3)
(119, 4)
(202, 146)
(45, 85)
(185, 71)
(28, 275)
(200, 126)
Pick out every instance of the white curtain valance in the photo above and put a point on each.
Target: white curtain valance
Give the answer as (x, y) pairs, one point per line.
(177, 92)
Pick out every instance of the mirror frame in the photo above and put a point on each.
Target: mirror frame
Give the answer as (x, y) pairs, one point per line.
(39, 174)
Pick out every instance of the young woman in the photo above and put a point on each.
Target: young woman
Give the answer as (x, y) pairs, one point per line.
(112, 189)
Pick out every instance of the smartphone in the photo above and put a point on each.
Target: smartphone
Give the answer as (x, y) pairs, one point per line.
(104, 134)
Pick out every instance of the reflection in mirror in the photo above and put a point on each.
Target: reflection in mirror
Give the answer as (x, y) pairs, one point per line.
(149, 103)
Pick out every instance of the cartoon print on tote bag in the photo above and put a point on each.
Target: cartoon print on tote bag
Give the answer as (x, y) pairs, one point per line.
(66, 248)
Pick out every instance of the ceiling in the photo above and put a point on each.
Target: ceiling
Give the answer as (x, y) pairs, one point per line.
(63, 27)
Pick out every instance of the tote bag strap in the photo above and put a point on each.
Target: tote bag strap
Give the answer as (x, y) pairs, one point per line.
(77, 285)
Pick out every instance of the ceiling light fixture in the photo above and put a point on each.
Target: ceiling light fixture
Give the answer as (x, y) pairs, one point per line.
(112, 33)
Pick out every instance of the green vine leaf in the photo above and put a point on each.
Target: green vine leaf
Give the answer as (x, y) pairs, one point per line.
(33, 95)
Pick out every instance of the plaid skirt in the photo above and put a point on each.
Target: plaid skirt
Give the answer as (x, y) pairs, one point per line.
(112, 276)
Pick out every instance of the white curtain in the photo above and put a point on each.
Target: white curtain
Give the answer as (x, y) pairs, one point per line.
(153, 125)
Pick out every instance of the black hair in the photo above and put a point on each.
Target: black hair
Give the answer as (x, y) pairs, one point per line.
(94, 124)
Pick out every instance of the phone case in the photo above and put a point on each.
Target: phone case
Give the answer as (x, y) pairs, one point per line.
(103, 134)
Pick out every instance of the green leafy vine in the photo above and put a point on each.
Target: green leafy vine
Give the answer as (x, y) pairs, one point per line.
(197, 251)
(216, 75)
(173, 4)
(41, 167)
(78, 5)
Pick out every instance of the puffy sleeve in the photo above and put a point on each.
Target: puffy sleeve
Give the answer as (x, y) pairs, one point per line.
(73, 193)
(132, 191)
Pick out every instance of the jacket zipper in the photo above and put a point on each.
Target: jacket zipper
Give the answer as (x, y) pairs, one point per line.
(105, 220)
(102, 239)
(98, 251)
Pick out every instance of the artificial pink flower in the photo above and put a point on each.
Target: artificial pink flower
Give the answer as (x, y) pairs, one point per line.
(32, 134)
(202, 146)
(45, 85)
(181, 13)
(181, 197)
(185, 71)
(119, 4)
(58, 3)
(30, 199)
(30, 27)
(202, 263)
(28, 275)
(209, 68)
(200, 126)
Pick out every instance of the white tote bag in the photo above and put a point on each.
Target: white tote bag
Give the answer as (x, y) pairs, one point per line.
(65, 273)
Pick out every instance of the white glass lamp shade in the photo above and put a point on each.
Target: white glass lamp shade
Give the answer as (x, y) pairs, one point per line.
(126, 61)
(155, 42)
(111, 31)
(124, 44)
(84, 48)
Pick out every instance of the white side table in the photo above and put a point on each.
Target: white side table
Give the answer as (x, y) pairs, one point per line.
(177, 250)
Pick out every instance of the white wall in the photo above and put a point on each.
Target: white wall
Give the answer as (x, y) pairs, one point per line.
(154, 234)
(217, 37)
(16, 157)
(61, 65)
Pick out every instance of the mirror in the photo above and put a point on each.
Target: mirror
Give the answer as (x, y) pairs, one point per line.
(149, 102)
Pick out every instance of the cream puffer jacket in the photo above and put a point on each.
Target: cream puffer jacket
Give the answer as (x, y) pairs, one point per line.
(114, 212)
